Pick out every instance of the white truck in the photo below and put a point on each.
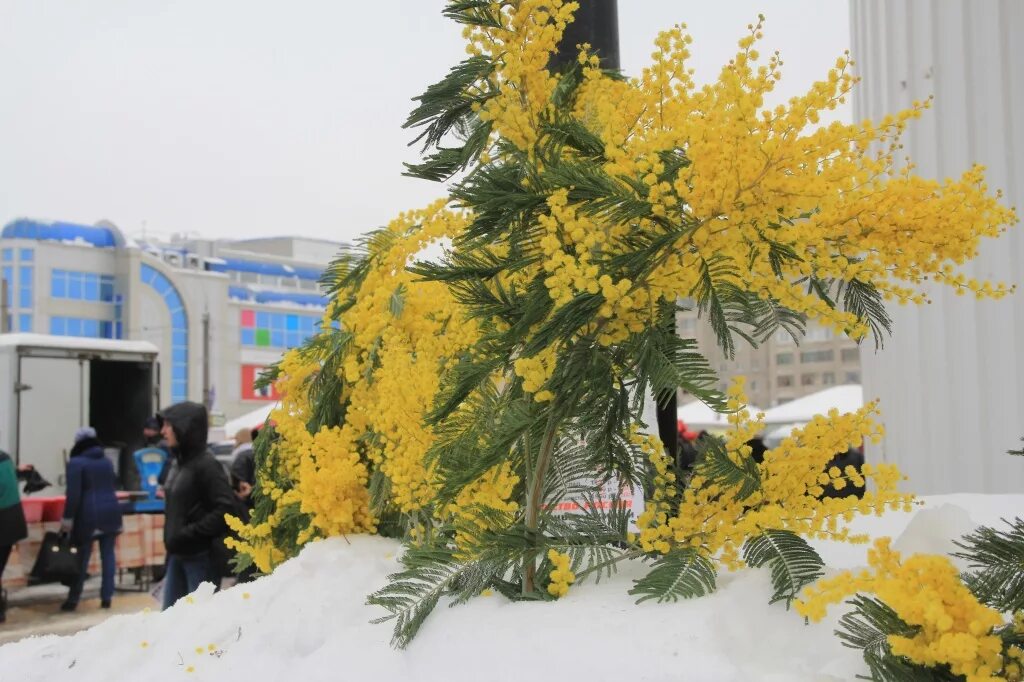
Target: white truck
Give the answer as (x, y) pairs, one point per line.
(52, 385)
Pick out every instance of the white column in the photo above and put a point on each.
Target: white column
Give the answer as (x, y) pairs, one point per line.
(951, 378)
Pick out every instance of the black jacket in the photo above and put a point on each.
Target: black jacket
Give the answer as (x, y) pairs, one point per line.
(197, 494)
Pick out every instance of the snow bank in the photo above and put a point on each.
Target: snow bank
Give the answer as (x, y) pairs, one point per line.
(309, 621)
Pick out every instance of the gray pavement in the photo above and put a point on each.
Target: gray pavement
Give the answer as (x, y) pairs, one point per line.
(36, 610)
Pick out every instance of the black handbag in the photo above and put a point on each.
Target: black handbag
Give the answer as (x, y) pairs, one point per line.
(58, 560)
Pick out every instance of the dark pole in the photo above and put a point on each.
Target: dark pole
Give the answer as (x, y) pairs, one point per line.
(597, 23)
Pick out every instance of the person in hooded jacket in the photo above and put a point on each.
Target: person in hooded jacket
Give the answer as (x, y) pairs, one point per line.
(12, 519)
(91, 512)
(197, 495)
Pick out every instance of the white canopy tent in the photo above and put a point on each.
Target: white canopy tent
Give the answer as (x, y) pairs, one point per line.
(846, 398)
(249, 420)
(697, 415)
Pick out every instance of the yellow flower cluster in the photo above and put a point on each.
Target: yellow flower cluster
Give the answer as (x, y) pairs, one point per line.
(624, 307)
(535, 371)
(561, 576)
(529, 33)
(924, 591)
(395, 364)
(492, 492)
(715, 520)
(753, 182)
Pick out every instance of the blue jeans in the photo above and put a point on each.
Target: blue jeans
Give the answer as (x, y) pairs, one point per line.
(108, 561)
(184, 574)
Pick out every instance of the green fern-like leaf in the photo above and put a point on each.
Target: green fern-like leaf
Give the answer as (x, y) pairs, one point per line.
(997, 560)
(680, 574)
(864, 300)
(868, 628)
(412, 594)
(792, 561)
(717, 466)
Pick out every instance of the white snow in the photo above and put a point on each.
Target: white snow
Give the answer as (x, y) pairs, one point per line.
(309, 621)
(845, 398)
(697, 415)
(76, 343)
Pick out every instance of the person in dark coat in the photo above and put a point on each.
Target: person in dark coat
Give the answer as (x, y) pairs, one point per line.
(757, 449)
(91, 512)
(12, 520)
(243, 469)
(197, 496)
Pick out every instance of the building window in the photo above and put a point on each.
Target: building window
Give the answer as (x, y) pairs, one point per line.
(25, 286)
(753, 385)
(265, 329)
(850, 354)
(783, 337)
(26, 255)
(82, 286)
(688, 325)
(179, 329)
(8, 255)
(828, 378)
(817, 333)
(25, 322)
(853, 377)
(807, 379)
(81, 326)
(784, 359)
(817, 355)
(784, 381)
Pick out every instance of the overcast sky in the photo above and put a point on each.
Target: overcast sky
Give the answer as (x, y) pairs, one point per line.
(238, 118)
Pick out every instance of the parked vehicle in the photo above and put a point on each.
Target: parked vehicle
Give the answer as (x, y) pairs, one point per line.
(51, 385)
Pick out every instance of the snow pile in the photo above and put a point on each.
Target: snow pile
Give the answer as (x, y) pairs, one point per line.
(309, 621)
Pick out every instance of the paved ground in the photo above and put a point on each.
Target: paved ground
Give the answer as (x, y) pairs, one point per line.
(36, 610)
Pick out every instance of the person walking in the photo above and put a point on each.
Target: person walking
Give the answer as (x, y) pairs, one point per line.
(197, 495)
(12, 520)
(91, 513)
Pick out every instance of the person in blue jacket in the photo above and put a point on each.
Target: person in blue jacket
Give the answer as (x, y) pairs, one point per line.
(91, 512)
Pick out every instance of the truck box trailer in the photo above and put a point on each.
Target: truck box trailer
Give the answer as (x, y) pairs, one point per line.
(52, 385)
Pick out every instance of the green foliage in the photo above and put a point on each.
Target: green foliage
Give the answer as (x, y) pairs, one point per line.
(719, 466)
(412, 594)
(447, 107)
(682, 573)
(868, 628)
(793, 562)
(996, 558)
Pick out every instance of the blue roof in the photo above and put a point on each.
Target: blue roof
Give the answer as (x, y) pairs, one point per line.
(244, 294)
(24, 228)
(262, 268)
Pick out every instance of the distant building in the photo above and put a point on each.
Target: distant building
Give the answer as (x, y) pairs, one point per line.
(779, 370)
(260, 295)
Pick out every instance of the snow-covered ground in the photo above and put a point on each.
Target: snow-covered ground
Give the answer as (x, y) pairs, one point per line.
(309, 622)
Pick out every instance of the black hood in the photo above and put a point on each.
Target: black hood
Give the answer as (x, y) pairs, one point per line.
(190, 424)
